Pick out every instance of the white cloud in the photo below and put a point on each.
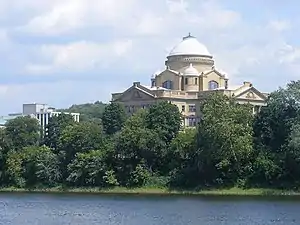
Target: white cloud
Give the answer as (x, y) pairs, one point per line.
(58, 94)
(79, 56)
(68, 15)
(177, 6)
(280, 25)
(150, 24)
(62, 17)
(60, 37)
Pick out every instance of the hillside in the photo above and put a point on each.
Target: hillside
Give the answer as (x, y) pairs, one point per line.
(88, 111)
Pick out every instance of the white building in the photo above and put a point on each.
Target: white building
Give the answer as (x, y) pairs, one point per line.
(189, 77)
(42, 112)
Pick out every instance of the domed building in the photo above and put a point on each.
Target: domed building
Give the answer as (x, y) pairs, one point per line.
(189, 76)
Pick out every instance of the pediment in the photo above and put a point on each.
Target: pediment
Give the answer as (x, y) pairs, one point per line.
(168, 72)
(213, 71)
(135, 93)
(251, 94)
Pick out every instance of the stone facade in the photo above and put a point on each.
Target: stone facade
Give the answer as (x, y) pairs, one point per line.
(190, 75)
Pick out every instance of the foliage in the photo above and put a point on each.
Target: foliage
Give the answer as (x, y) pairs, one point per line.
(165, 118)
(33, 165)
(54, 129)
(113, 118)
(80, 137)
(223, 145)
(23, 131)
(90, 169)
(276, 132)
(229, 147)
(91, 112)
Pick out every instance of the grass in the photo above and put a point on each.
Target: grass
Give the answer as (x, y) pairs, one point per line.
(157, 191)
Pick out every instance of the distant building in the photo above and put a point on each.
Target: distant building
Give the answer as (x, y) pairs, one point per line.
(188, 78)
(42, 112)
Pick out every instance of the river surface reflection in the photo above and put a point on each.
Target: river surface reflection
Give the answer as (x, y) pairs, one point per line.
(49, 209)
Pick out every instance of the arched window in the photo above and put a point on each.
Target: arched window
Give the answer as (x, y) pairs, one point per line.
(168, 84)
(213, 85)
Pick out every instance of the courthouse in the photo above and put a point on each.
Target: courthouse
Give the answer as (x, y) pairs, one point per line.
(189, 76)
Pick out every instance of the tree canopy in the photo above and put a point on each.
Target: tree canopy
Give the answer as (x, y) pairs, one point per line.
(229, 147)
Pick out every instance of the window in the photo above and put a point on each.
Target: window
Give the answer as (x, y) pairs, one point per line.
(192, 108)
(192, 121)
(196, 80)
(153, 84)
(183, 108)
(213, 85)
(226, 84)
(186, 81)
(168, 84)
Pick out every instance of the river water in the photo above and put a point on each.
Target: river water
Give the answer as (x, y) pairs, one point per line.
(48, 209)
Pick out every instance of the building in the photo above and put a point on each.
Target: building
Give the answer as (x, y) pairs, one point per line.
(189, 76)
(42, 112)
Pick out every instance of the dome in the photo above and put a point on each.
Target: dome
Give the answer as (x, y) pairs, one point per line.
(191, 71)
(190, 46)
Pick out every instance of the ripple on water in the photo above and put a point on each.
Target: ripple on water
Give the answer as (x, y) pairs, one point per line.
(39, 209)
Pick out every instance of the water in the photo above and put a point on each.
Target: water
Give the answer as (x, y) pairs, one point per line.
(47, 209)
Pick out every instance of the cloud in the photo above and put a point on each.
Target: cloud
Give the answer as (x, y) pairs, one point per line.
(68, 15)
(78, 56)
(43, 92)
(85, 43)
(280, 25)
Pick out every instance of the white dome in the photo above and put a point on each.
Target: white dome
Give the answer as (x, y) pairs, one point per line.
(191, 71)
(190, 46)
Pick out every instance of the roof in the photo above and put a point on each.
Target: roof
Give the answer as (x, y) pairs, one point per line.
(191, 71)
(190, 46)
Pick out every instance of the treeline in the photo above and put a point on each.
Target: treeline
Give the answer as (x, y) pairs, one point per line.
(229, 147)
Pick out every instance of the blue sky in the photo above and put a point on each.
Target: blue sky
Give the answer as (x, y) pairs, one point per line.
(64, 52)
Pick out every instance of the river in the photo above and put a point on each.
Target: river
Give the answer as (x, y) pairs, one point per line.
(50, 209)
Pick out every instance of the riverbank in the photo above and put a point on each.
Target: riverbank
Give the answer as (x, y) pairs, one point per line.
(158, 191)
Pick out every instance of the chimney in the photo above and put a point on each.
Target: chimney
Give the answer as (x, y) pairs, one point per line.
(136, 84)
(247, 84)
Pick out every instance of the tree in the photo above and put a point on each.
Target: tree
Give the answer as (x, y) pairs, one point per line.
(113, 118)
(224, 142)
(54, 128)
(138, 146)
(80, 137)
(88, 111)
(276, 130)
(90, 169)
(33, 166)
(165, 118)
(273, 124)
(23, 131)
(5, 146)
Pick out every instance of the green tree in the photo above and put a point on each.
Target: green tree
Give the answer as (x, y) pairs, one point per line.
(88, 111)
(165, 118)
(55, 126)
(138, 145)
(224, 144)
(80, 137)
(113, 118)
(275, 132)
(5, 146)
(23, 131)
(90, 169)
(225, 140)
(33, 166)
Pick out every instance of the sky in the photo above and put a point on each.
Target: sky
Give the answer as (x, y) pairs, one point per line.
(64, 52)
